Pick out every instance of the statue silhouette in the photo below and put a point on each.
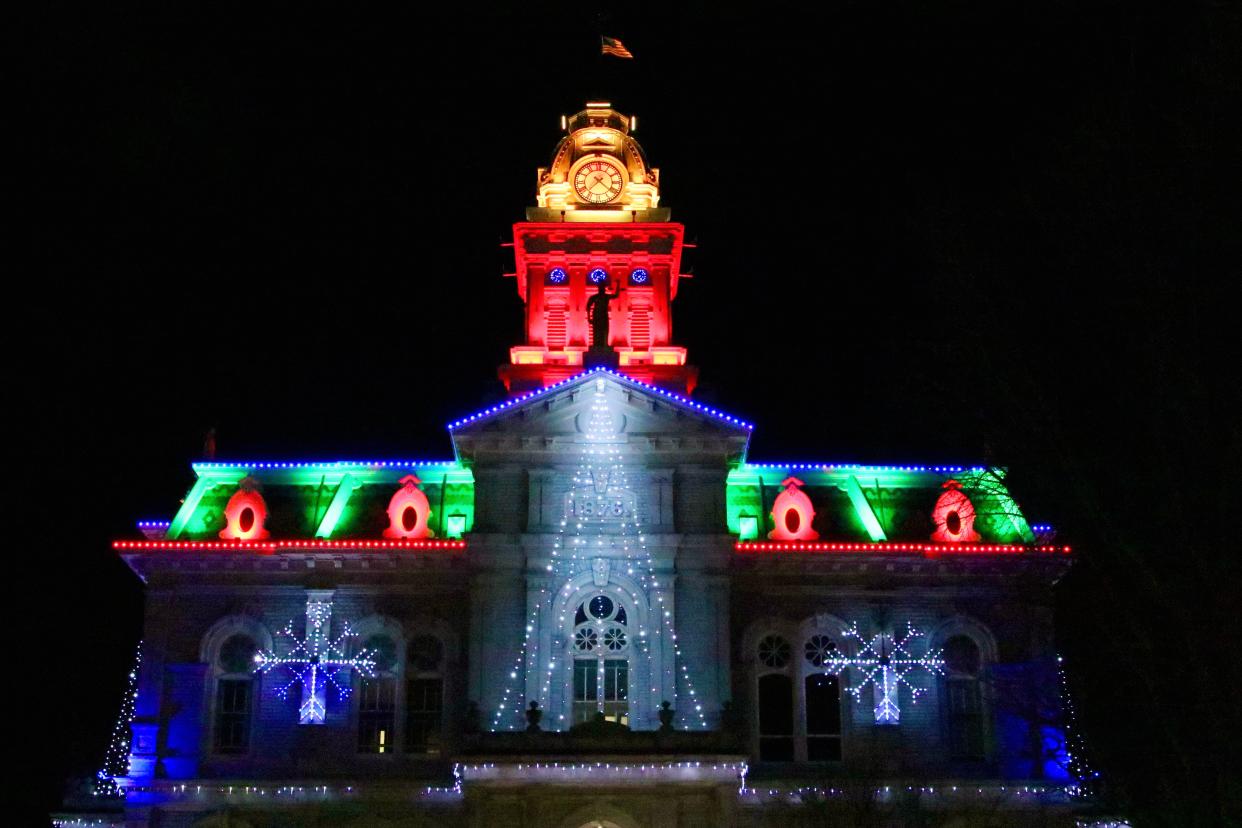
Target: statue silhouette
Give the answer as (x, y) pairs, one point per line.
(597, 313)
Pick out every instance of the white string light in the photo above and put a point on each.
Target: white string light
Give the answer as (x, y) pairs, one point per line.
(580, 538)
(464, 774)
(316, 661)
(116, 759)
(884, 661)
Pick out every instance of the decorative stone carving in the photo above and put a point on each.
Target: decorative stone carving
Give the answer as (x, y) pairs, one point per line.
(599, 571)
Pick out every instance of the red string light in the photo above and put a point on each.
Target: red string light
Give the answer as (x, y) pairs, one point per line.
(268, 547)
(930, 550)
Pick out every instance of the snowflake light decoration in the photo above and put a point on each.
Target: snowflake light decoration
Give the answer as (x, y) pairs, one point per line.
(884, 661)
(316, 660)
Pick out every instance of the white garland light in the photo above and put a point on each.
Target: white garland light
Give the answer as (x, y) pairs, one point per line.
(116, 760)
(1076, 763)
(464, 774)
(600, 460)
(884, 793)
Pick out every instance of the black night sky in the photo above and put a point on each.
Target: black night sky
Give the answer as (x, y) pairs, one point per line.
(927, 232)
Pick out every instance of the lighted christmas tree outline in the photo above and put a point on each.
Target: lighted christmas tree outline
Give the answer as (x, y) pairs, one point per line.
(600, 473)
(116, 761)
(316, 661)
(884, 661)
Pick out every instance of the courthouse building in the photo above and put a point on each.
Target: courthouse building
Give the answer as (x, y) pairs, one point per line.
(595, 608)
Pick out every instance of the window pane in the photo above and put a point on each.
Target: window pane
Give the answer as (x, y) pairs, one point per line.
(961, 655)
(616, 689)
(237, 654)
(774, 651)
(616, 680)
(823, 705)
(232, 716)
(965, 718)
(423, 711)
(424, 654)
(775, 705)
(819, 650)
(377, 715)
(601, 606)
(383, 651)
(586, 680)
(776, 718)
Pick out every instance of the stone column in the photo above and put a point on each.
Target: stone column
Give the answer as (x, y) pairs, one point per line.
(145, 727)
(538, 645)
(189, 723)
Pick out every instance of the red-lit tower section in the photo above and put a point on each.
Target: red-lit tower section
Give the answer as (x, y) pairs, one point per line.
(598, 222)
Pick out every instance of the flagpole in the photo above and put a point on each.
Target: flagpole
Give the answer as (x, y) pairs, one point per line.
(598, 92)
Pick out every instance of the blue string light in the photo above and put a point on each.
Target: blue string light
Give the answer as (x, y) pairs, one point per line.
(677, 398)
(323, 464)
(856, 467)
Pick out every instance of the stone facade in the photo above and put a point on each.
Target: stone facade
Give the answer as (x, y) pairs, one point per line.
(762, 732)
(705, 641)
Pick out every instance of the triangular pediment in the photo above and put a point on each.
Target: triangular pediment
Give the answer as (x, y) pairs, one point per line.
(559, 419)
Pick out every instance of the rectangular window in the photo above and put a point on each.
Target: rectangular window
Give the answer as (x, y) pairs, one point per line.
(965, 719)
(823, 718)
(640, 328)
(586, 689)
(556, 331)
(616, 690)
(232, 716)
(424, 705)
(776, 718)
(377, 713)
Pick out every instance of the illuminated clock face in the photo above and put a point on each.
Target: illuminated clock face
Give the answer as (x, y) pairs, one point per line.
(557, 276)
(598, 182)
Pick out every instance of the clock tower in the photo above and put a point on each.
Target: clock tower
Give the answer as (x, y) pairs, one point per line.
(598, 223)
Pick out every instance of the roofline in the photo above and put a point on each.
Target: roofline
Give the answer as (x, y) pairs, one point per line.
(326, 465)
(863, 467)
(685, 402)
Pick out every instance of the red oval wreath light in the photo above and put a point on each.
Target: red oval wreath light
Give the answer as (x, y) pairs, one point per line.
(246, 514)
(954, 516)
(792, 513)
(409, 511)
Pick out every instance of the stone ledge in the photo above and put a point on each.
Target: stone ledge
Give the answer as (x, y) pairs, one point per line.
(621, 743)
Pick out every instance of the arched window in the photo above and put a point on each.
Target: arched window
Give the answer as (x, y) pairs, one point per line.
(963, 698)
(601, 644)
(776, 705)
(424, 695)
(822, 700)
(377, 701)
(234, 695)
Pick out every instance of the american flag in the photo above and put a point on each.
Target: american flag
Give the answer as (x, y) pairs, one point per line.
(614, 47)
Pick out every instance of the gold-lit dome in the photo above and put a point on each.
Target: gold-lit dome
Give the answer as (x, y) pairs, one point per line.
(598, 172)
